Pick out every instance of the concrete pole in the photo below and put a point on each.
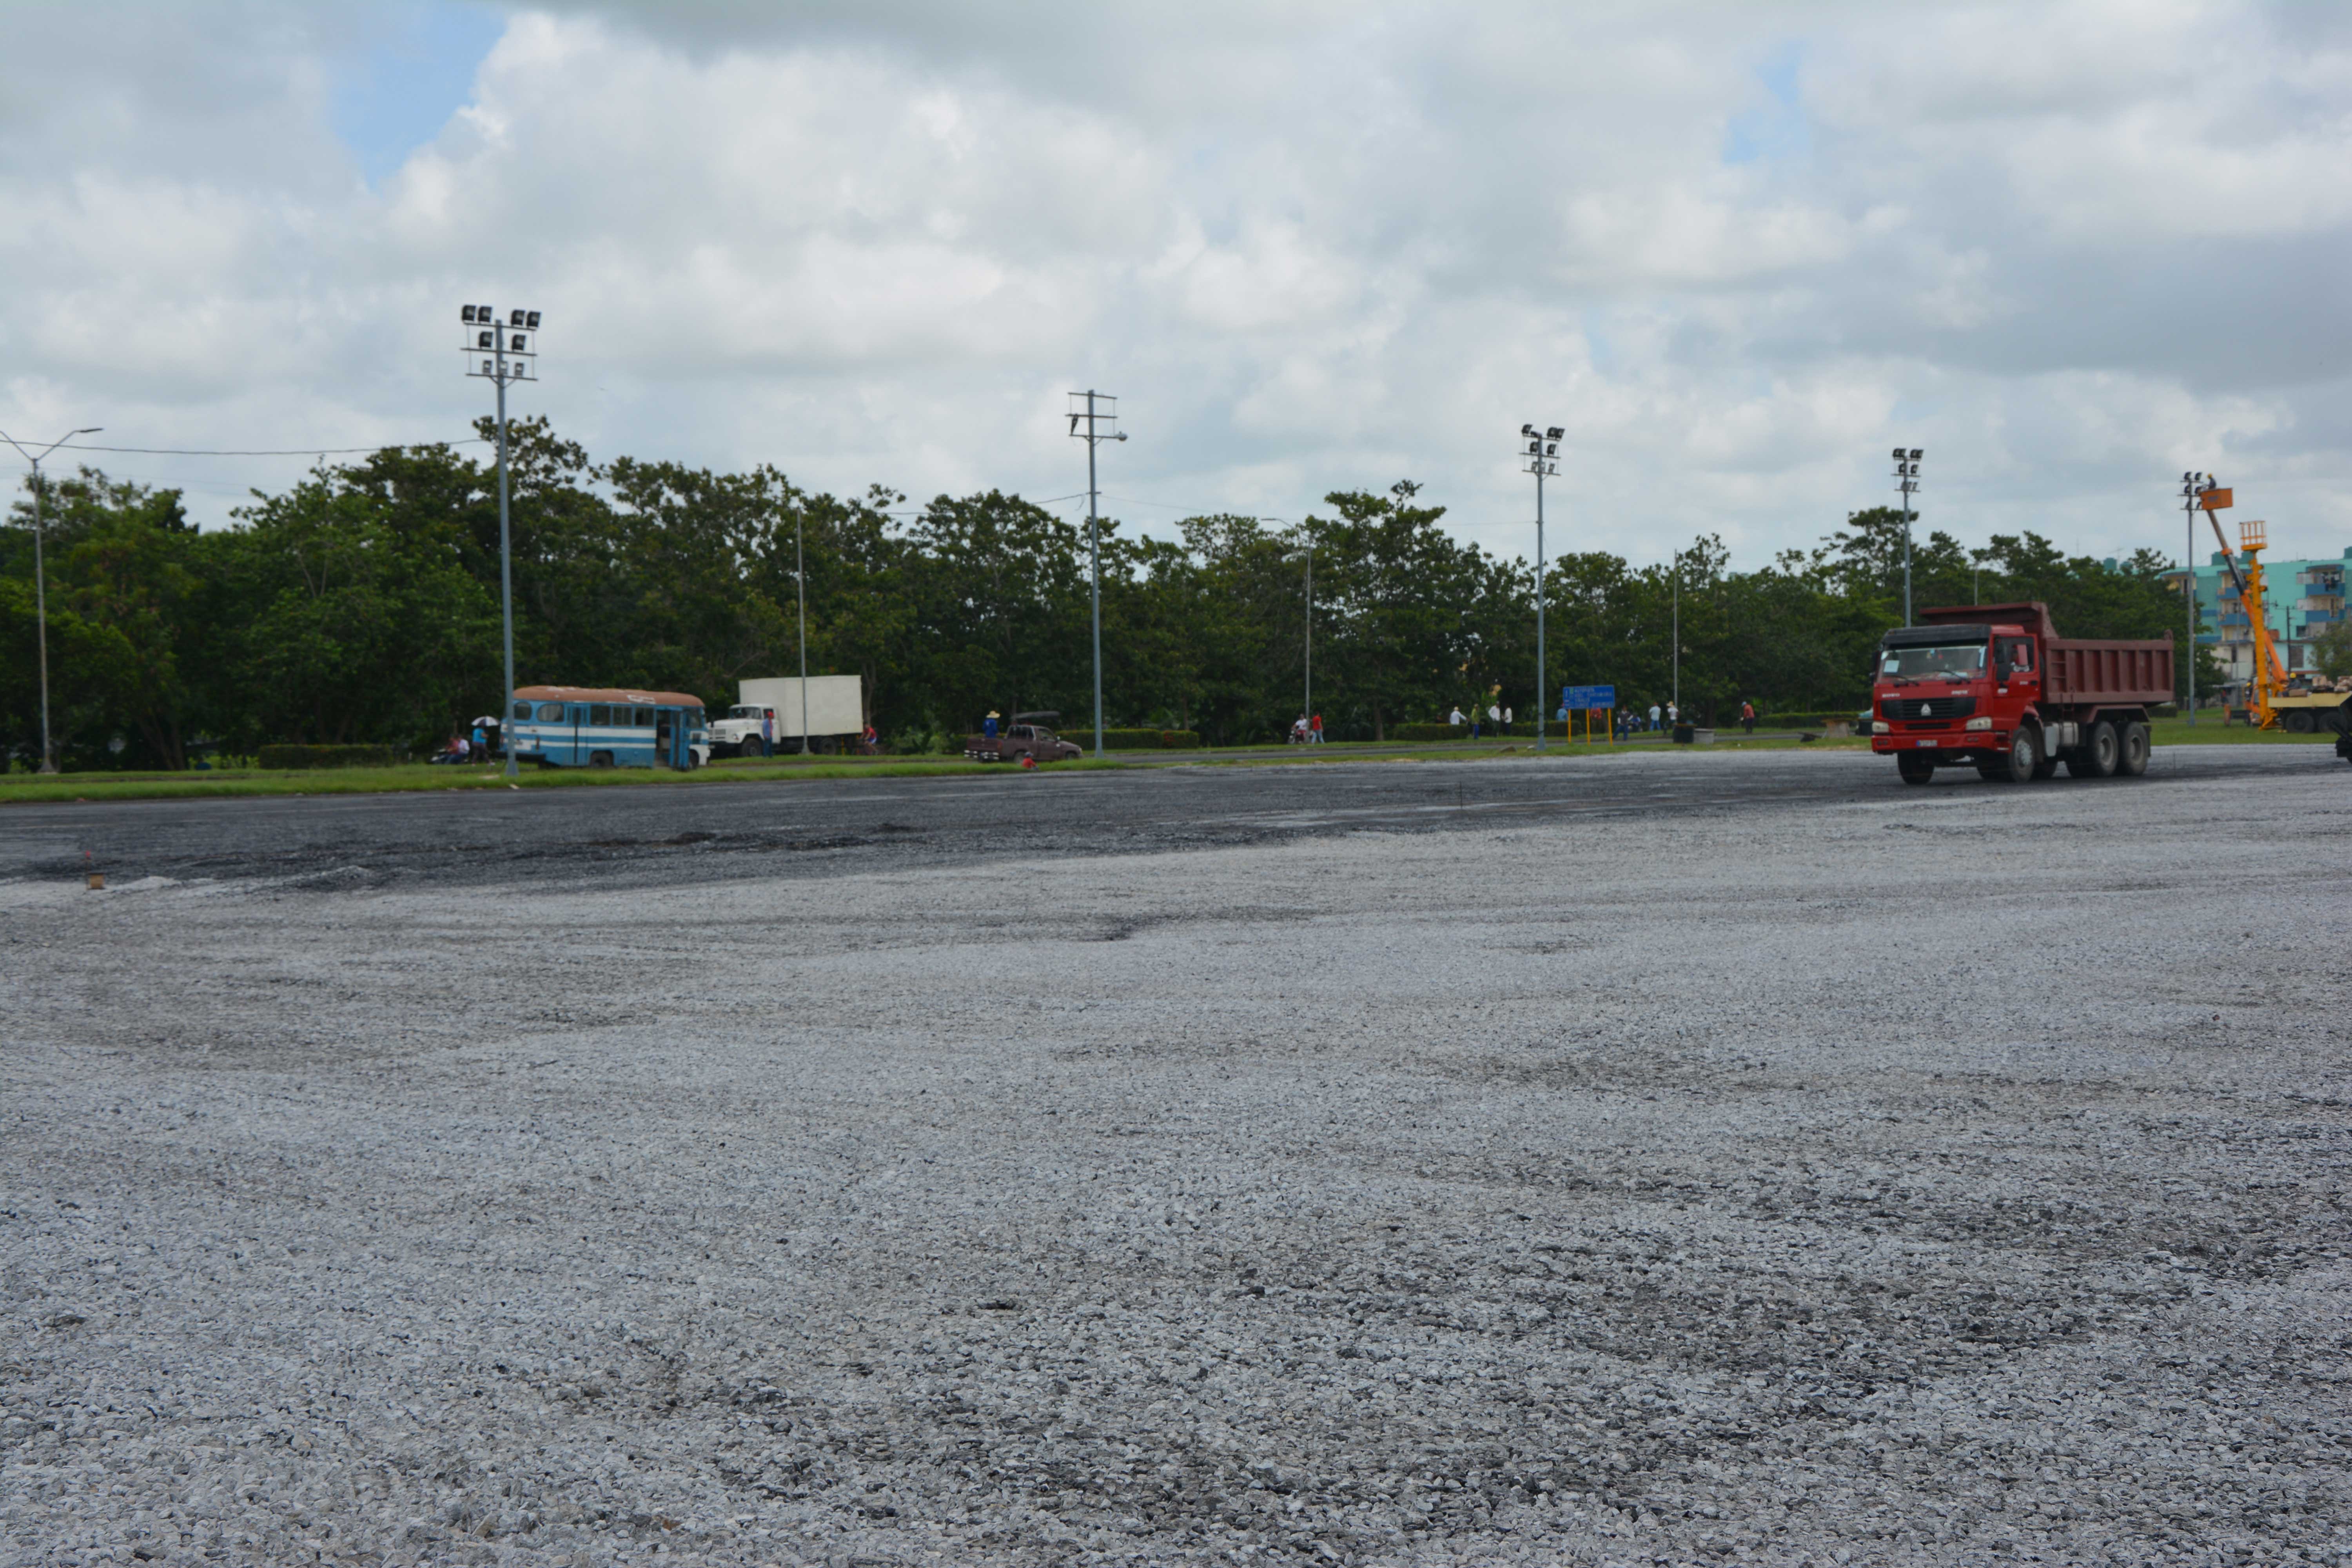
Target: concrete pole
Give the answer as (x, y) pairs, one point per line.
(800, 585)
(41, 618)
(1094, 550)
(506, 563)
(1541, 701)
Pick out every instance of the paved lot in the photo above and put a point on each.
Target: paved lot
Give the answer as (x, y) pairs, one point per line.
(1675, 1158)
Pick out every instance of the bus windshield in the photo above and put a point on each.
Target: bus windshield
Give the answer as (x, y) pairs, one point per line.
(1952, 661)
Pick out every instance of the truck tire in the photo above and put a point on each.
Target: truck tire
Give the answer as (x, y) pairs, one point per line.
(1914, 769)
(2025, 756)
(2095, 757)
(2299, 721)
(2131, 757)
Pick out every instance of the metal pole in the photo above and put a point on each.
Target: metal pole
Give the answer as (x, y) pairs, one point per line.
(1094, 548)
(506, 563)
(1540, 699)
(1906, 551)
(1310, 633)
(41, 614)
(1677, 698)
(2188, 574)
(800, 584)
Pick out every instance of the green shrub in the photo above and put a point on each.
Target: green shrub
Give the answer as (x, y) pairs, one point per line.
(275, 757)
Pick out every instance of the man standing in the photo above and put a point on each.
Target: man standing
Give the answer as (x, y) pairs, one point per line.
(1315, 731)
(1747, 716)
(1654, 716)
(1506, 720)
(1674, 714)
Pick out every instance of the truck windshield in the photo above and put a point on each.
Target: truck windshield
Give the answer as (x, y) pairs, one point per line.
(742, 712)
(1956, 661)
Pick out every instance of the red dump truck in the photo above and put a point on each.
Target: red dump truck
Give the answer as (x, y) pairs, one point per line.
(1995, 687)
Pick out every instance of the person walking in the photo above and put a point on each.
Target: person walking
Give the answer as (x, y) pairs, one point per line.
(1654, 716)
(1747, 716)
(1315, 731)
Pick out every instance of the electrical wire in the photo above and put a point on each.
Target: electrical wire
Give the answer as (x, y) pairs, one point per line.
(279, 452)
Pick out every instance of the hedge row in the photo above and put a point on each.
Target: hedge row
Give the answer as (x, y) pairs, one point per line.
(328, 757)
(1141, 740)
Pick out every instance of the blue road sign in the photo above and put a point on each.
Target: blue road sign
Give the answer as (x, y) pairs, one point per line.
(1575, 697)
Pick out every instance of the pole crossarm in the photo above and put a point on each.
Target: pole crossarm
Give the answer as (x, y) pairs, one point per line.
(1098, 412)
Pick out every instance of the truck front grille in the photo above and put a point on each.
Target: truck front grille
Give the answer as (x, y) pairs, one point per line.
(1934, 707)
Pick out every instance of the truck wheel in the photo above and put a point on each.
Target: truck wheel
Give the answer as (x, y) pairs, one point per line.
(2025, 756)
(2095, 757)
(1916, 770)
(2131, 757)
(2298, 722)
(752, 746)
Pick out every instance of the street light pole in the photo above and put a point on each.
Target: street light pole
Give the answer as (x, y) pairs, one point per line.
(1906, 475)
(1541, 454)
(506, 356)
(1094, 434)
(2191, 483)
(800, 585)
(41, 581)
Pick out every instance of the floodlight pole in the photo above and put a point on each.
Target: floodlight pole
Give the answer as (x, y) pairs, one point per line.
(1093, 436)
(2188, 483)
(510, 360)
(1907, 476)
(41, 583)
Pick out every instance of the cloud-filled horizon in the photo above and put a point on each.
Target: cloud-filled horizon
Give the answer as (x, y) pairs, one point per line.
(1736, 252)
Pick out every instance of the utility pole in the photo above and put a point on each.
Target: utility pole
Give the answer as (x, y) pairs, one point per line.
(1906, 475)
(2190, 484)
(1095, 434)
(41, 581)
(1310, 631)
(800, 586)
(1541, 453)
(1677, 698)
(507, 357)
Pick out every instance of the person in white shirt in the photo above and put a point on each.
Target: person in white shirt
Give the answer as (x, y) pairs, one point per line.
(1653, 715)
(1456, 721)
(1674, 715)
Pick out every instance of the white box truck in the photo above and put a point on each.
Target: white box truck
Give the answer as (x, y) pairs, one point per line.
(767, 714)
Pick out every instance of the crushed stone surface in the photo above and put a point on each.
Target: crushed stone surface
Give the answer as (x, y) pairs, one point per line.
(1954, 1176)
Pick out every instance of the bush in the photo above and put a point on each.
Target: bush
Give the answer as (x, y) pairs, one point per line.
(274, 757)
(1139, 739)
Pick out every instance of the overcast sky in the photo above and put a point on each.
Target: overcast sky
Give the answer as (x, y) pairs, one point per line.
(1738, 250)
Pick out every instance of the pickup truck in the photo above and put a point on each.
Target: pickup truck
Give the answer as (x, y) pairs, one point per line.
(1024, 737)
(1995, 687)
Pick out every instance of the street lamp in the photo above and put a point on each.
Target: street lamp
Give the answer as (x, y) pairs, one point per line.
(2192, 485)
(1100, 417)
(1539, 455)
(40, 580)
(501, 353)
(1906, 476)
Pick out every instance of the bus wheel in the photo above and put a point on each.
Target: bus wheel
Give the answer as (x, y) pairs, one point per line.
(600, 759)
(1916, 770)
(2131, 757)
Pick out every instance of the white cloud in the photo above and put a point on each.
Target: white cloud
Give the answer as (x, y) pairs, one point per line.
(2071, 249)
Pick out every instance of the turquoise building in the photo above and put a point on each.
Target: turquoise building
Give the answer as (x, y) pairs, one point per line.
(2301, 599)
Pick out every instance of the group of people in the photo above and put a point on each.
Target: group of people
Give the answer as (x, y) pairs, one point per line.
(1498, 717)
(464, 748)
(1307, 730)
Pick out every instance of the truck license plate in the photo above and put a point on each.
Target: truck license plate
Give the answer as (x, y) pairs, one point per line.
(1928, 743)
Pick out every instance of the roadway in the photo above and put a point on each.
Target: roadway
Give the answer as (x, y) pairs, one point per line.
(656, 834)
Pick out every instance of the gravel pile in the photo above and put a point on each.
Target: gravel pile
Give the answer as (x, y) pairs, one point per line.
(1955, 1176)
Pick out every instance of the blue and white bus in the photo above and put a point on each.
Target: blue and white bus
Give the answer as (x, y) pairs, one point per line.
(606, 727)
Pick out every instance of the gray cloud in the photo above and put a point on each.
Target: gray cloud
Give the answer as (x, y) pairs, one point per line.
(2070, 250)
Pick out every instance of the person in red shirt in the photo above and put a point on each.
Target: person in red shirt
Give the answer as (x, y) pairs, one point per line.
(1315, 731)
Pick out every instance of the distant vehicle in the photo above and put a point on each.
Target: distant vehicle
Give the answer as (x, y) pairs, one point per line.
(766, 717)
(607, 727)
(1024, 737)
(1994, 686)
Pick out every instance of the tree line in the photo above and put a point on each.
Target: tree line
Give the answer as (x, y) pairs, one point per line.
(362, 604)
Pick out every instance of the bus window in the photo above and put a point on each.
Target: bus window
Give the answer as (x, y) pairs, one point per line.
(550, 713)
(645, 718)
(600, 713)
(522, 710)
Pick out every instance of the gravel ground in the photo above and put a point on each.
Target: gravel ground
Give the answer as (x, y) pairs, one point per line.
(1953, 1175)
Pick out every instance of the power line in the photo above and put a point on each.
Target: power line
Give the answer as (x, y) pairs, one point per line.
(281, 452)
